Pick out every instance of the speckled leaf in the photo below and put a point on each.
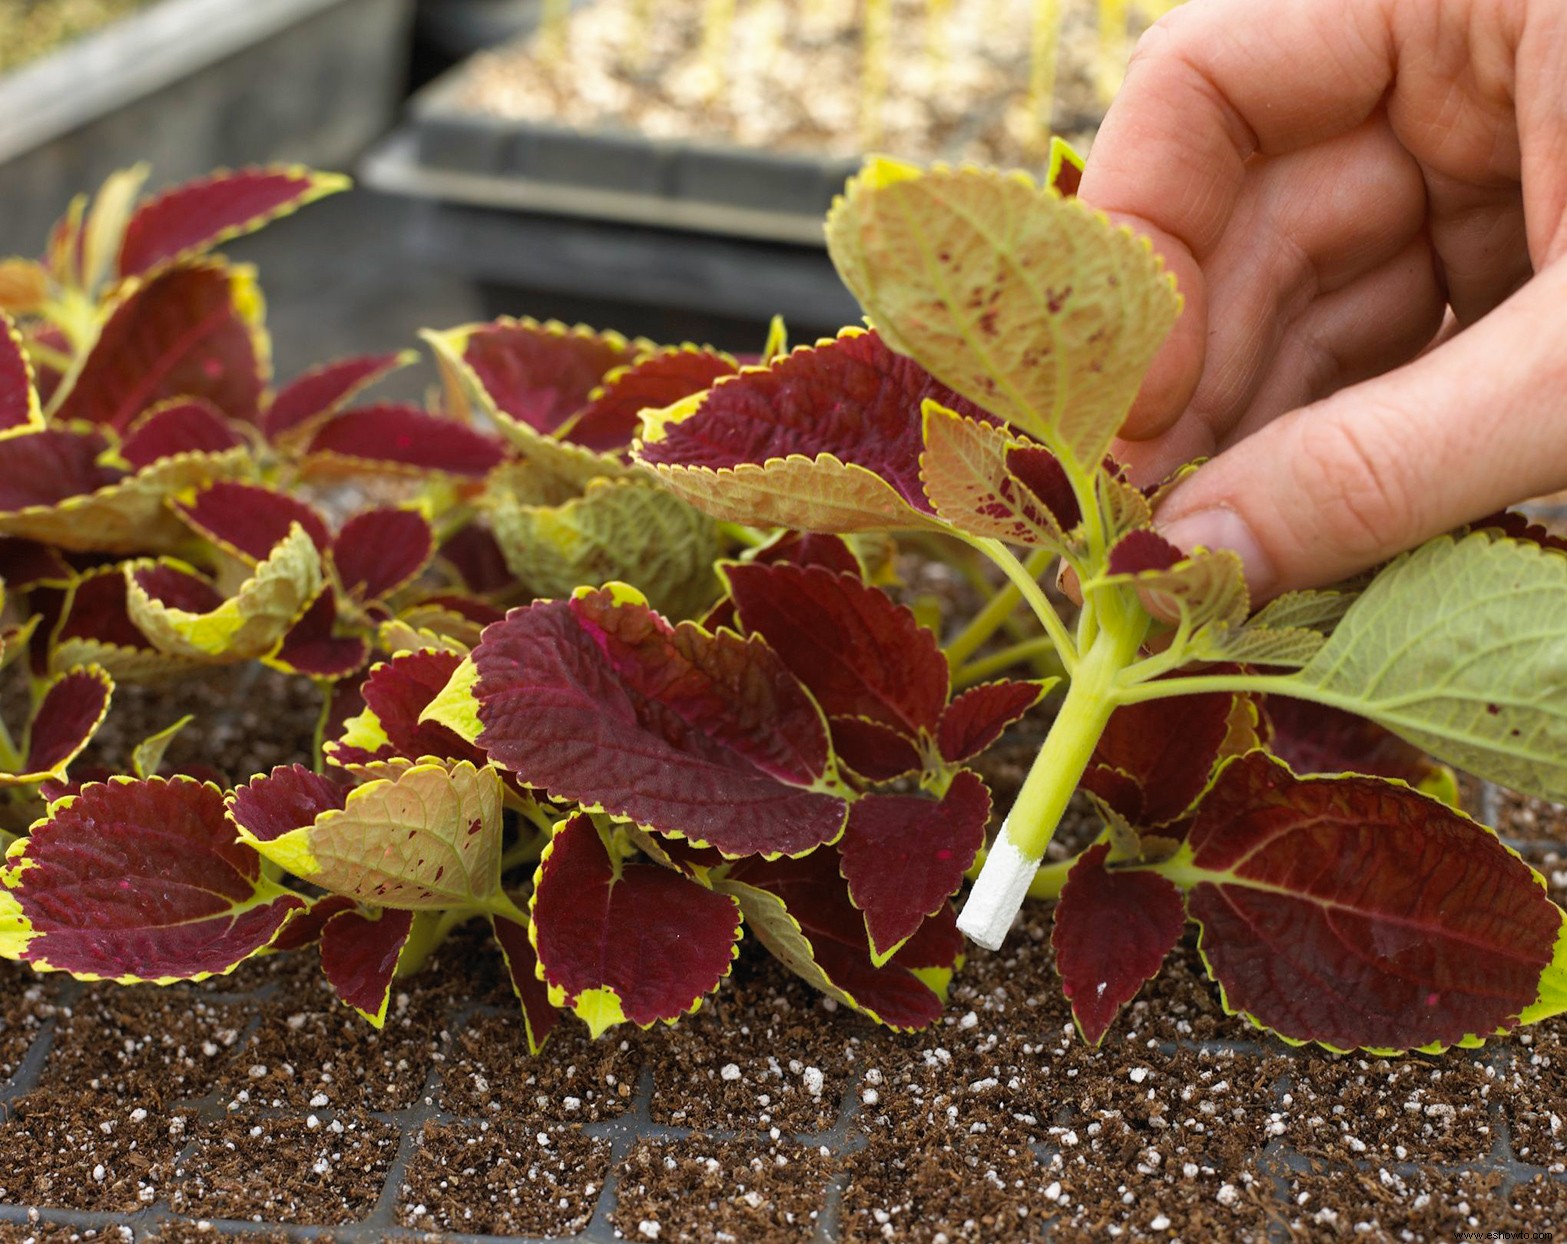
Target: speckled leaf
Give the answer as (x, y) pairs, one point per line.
(1207, 588)
(1155, 758)
(703, 736)
(192, 332)
(1112, 931)
(539, 1017)
(859, 652)
(612, 417)
(621, 940)
(630, 530)
(968, 478)
(246, 624)
(359, 953)
(800, 910)
(1031, 305)
(827, 438)
(381, 550)
(192, 218)
(19, 408)
(321, 392)
(402, 440)
(904, 856)
(249, 520)
(975, 719)
(1355, 912)
(428, 839)
(68, 714)
(1458, 647)
(143, 880)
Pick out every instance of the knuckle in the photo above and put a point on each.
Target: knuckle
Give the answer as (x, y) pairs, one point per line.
(1352, 471)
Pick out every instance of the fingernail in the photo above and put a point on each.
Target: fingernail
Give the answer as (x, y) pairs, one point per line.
(1224, 529)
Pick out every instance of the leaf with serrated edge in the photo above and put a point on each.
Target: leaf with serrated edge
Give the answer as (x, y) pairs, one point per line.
(707, 737)
(1461, 648)
(1112, 930)
(177, 426)
(1155, 758)
(190, 219)
(630, 530)
(904, 856)
(975, 719)
(1207, 588)
(318, 394)
(248, 521)
(396, 693)
(381, 550)
(401, 440)
(19, 408)
(1353, 912)
(70, 710)
(968, 482)
(430, 839)
(247, 624)
(539, 1017)
(827, 438)
(800, 910)
(1314, 610)
(620, 940)
(1291, 646)
(466, 397)
(1313, 738)
(540, 375)
(612, 417)
(141, 881)
(1031, 305)
(359, 953)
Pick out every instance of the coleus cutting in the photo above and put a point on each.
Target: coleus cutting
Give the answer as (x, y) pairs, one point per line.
(1011, 328)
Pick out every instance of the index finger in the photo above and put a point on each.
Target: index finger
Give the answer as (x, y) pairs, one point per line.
(1211, 85)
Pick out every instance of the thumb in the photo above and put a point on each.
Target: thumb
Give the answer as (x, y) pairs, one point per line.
(1333, 488)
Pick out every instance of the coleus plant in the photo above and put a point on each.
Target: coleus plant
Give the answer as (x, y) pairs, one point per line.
(1010, 330)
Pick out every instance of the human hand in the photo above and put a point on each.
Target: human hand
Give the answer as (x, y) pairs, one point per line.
(1324, 179)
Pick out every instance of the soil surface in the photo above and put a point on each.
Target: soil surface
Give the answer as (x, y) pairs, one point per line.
(796, 76)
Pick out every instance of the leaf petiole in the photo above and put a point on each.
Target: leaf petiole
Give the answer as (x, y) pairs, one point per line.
(1027, 585)
(1041, 651)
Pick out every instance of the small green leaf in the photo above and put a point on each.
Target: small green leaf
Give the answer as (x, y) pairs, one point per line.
(148, 756)
(1461, 648)
(1031, 305)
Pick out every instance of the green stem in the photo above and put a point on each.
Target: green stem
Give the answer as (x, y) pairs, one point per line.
(1026, 832)
(1136, 692)
(997, 612)
(429, 930)
(1027, 585)
(525, 852)
(992, 664)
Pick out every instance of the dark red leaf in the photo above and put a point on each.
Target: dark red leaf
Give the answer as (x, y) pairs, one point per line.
(859, 652)
(470, 607)
(250, 519)
(1516, 526)
(26, 564)
(876, 752)
(96, 609)
(1142, 550)
(313, 647)
(541, 374)
(273, 804)
(305, 929)
(178, 589)
(18, 400)
(656, 940)
(817, 899)
(188, 333)
(796, 548)
(538, 1014)
(612, 419)
(1312, 738)
(177, 427)
(381, 550)
(1112, 931)
(473, 553)
(359, 956)
(905, 855)
(1154, 758)
(975, 719)
(407, 438)
(707, 737)
(145, 880)
(67, 718)
(1355, 912)
(325, 390)
(1041, 472)
(192, 218)
(47, 467)
(852, 398)
(397, 691)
